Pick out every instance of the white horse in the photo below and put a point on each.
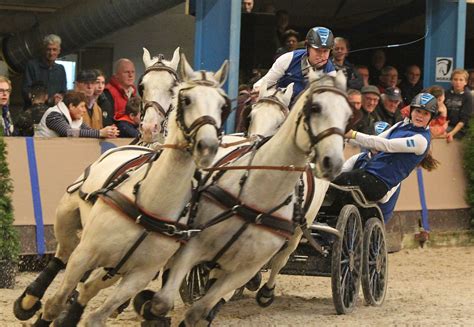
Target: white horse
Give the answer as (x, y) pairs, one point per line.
(242, 243)
(157, 86)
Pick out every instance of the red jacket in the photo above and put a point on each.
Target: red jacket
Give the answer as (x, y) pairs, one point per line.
(120, 98)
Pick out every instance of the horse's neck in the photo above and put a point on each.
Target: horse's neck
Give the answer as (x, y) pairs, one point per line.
(267, 188)
(166, 189)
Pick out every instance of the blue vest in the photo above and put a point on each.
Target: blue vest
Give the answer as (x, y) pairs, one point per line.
(294, 74)
(392, 168)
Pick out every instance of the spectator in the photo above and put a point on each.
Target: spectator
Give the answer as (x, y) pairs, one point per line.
(438, 124)
(102, 100)
(388, 78)
(31, 116)
(6, 121)
(339, 58)
(387, 110)
(283, 22)
(292, 67)
(86, 83)
(65, 119)
(412, 84)
(378, 61)
(247, 6)
(470, 83)
(363, 72)
(128, 125)
(370, 100)
(459, 104)
(121, 87)
(46, 69)
(355, 98)
(291, 42)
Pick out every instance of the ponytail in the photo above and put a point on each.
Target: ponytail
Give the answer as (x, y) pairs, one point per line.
(429, 162)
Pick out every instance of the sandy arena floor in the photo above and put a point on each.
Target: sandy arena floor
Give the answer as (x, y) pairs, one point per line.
(427, 287)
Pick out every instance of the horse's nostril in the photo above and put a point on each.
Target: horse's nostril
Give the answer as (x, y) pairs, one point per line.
(327, 163)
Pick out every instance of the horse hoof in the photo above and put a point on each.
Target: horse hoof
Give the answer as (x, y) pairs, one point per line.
(72, 317)
(140, 299)
(265, 296)
(158, 322)
(23, 314)
(254, 284)
(41, 323)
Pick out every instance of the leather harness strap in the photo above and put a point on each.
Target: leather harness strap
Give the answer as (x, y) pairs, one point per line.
(278, 225)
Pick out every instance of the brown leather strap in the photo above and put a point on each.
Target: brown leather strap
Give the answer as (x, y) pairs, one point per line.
(280, 168)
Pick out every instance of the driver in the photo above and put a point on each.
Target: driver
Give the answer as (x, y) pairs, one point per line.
(401, 149)
(292, 67)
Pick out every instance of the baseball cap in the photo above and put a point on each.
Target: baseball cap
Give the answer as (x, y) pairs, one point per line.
(370, 89)
(88, 75)
(393, 93)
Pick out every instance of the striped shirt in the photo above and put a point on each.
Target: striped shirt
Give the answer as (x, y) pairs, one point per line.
(58, 123)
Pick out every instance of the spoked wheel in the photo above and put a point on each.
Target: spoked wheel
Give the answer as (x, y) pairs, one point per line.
(194, 284)
(346, 260)
(374, 263)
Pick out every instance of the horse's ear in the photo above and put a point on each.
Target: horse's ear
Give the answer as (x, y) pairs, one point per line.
(186, 71)
(340, 81)
(221, 74)
(263, 89)
(288, 94)
(146, 58)
(175, 61)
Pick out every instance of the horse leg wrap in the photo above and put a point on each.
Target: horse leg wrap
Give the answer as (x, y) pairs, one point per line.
(158, 322)
(141, 299)
(21, 313)
(214, 311)
(72, 317)
(42, 282)
(41, 323)
(254, 283)
(265, 296)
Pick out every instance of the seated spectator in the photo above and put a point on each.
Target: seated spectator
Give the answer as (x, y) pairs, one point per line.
(470, 83)
(388, 78)
(412, 84)
(86, 81)
(102, 101)
(370, 100)
(6, 121)
(291, 42)
(247, 6)
(65, 119)
(46, 70)
(387, 110)
(355, 98)
(128, 125)
(363, 72)
(459, 104)
(31, 116)
(121, 87)
(378, 61)
(339, 58)
(282, 25)
(439, 124)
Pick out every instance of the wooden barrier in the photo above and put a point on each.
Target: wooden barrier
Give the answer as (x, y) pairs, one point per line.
(59, 161)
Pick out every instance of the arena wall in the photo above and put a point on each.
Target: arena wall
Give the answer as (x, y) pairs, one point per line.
(41, 170)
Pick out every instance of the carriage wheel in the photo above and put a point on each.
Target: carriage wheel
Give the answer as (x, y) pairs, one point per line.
(194, 284)
(374, 263)
(346, 260)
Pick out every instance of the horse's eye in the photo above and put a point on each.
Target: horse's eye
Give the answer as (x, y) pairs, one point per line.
(186, 100)
(316, 108)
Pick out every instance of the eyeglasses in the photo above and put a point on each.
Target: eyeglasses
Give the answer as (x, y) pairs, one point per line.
(6, 91)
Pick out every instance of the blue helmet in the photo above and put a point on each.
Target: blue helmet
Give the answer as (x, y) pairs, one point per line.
(380, 127)
(320, 37)
(425, 101)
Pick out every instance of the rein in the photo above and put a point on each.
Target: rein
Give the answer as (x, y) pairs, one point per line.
(280, 168)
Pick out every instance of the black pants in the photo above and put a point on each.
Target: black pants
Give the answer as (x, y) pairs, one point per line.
(373, 188)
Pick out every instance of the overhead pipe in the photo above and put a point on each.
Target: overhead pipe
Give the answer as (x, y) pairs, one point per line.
(79, 24)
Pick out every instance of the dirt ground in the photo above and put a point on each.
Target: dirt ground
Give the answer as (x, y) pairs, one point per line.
(427, 287)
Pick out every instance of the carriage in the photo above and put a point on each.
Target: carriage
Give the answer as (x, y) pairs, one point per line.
(351, 232)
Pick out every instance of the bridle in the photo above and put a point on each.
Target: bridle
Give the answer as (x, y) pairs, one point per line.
(189, 132)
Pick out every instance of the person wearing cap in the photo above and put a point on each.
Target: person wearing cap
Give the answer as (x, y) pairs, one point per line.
(400, 149)
(387, 110)
(339, 58)
(292, 67)
(370, 100)
(86, 81)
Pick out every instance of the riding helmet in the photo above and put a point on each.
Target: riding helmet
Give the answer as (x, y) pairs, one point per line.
(320, 37)
(425, 101)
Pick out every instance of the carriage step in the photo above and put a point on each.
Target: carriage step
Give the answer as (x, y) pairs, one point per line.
(325, 229)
